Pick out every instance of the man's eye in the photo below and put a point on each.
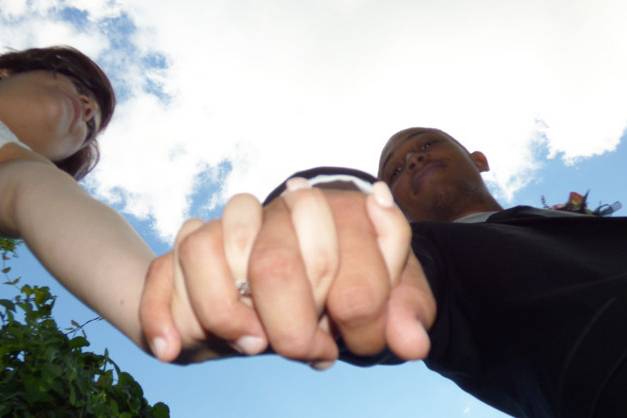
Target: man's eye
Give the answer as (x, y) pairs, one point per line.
(426, 146)
(395, 173)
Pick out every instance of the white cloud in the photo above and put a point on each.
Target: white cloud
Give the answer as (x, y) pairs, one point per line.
(278, 86)
(26, 28)
(97, 9)
(12, 8)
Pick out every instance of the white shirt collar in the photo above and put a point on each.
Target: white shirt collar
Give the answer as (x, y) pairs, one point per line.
(476, 217)
(6, 136)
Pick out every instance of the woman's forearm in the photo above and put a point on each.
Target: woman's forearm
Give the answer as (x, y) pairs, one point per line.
(86, 245)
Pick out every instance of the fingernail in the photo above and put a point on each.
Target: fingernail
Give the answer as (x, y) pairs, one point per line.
(297, 183)
(249, 345)
(159, 347)
(382, 195)
(321, 365)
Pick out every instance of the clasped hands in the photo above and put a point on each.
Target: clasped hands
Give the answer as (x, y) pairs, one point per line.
(321, 264)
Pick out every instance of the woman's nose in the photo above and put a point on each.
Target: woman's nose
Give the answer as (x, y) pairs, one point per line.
(88, 107)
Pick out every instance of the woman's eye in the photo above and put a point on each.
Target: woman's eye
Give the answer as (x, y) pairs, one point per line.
(91, 129)
(80, 87)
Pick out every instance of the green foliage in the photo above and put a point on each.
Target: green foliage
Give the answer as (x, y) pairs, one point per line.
(45, 372)
(7, 246)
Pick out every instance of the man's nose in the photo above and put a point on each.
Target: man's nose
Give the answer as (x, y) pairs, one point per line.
(413, 159)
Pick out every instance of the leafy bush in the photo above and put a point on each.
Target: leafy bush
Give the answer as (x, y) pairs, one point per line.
(44, 372)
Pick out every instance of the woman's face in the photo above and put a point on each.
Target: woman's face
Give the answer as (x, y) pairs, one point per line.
(48, 111)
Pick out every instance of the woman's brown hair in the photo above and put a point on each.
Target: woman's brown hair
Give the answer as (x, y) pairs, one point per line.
(80, 68)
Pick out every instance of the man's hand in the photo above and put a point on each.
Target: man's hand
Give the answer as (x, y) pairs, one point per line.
(379, 295)
(315, 249)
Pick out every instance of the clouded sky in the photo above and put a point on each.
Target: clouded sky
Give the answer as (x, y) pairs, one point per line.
(248, 92)
(222, 96)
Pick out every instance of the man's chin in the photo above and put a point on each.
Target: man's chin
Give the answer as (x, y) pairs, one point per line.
(424, 179)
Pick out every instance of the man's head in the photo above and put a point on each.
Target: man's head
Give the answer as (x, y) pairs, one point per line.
(434, 177)
(58, 97)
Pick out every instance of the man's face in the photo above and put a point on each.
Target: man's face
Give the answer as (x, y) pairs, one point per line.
(432, 177)
(51, 113)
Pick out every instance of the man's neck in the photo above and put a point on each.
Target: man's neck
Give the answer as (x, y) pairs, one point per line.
(489, 205)
(449, 211)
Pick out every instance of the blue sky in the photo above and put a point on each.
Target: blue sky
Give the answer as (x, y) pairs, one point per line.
(232, 96)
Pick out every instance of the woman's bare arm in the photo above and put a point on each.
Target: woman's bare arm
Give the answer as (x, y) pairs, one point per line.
(86, 245)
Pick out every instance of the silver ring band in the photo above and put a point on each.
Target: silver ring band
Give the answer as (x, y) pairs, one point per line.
(243, 288)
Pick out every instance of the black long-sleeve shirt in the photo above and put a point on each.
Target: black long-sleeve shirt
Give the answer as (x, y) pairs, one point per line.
(531, 309)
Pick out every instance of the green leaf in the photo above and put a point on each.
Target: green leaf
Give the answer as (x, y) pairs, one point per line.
(125, 379)
(114, 406)
(41, 295)
(106, 379)
(8, 305)
(12, 282)
(160, 410)
(78, 342)
(44, 370)
(72, 395)
(27, 290)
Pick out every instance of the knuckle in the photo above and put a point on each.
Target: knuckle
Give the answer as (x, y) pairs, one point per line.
(188, 246)
(247, 199)
(198, 244)
(217, 318)
(307, 196)
(188, 227)
(240, 236)
(273, 265)
(304, 199)
(350, 202)
(323, 264)
(292, 346)
(158, 266)
(191, 224)
(354, 306)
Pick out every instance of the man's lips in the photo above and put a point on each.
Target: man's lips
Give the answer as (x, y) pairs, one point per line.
(420, 175)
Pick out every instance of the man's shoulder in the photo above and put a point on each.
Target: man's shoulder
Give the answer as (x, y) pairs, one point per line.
(522, 213)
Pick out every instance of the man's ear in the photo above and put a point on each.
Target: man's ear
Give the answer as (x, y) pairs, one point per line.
(480, 160)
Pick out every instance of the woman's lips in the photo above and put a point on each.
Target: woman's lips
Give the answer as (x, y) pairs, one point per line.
(425, 172)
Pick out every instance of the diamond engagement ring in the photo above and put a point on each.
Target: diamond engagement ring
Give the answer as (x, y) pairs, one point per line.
(243, 288)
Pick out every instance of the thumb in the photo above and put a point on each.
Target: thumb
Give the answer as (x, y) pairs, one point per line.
(156, 309)
(392, 229)
(411, 313)
(155, 314)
